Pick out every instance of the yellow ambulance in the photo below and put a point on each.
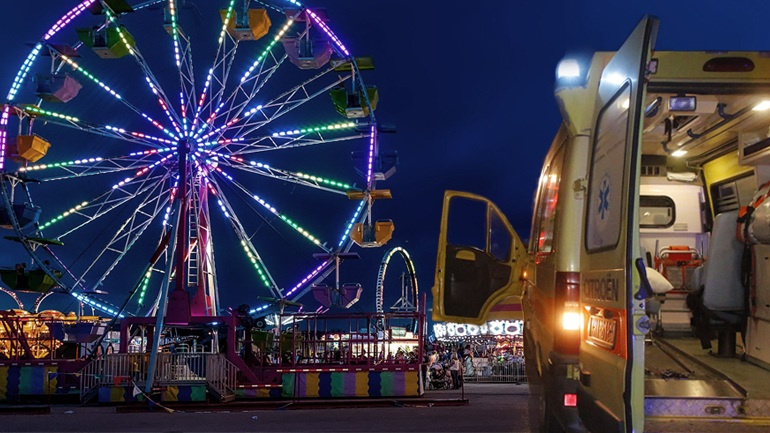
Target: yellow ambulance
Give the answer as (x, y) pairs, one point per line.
(645, 284)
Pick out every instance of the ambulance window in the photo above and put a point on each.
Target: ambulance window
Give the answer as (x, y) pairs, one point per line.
(467, 223)
(656, 212)
(605, 185)
(734, 193)
(469, 227)
(500, 238)
(546, 206)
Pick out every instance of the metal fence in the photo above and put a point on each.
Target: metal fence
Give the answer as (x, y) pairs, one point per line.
(126, 368)
(512, 372)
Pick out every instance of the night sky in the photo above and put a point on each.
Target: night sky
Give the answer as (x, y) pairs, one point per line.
(469, 87)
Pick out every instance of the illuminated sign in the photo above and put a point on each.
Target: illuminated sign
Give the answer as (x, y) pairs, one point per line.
(492, 328)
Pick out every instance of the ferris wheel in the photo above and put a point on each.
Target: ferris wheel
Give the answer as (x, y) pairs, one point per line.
(136, 133)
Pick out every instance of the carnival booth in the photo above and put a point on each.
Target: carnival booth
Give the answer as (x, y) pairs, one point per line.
(492, 352)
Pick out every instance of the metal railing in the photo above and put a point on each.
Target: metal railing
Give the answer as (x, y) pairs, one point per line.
(126, 368)
(221, 376)
(511, 372)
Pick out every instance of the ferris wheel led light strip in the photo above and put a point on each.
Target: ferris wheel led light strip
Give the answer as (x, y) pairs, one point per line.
(60, 164)
(329, 127)
(277, 38)
(112, 92)
(37, 110)
(300, 175)
(159, 126)
(221, 141)
(97, 305)
(171, 195)
(310, 276)
(254, 258)
(75, 66)
(139, 135)
(352, 223)
(65, 214)
(228, 124)
(145, 285)
(150, 152)
(163, 106)
(3, 136)
(69, 16)
(134, 53)
(370, 167)
(207, 83)
(319, 179)
(19, 80)
(142, 172)
(175, 33)
(22, 73)
(288, 221)
(329, 32)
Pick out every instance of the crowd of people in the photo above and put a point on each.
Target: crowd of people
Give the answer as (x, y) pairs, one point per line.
(444, 366)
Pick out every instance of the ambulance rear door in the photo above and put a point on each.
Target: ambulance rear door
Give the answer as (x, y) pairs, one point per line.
(611, 390)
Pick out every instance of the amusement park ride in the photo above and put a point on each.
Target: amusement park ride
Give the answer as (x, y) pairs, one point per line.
(114, 148)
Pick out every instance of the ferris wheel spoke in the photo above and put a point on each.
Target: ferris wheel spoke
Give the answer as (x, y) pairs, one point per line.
(236, 109)
(324, 269)
(246, 244)
(282, 104)
(102, 204)
(110, 131)
(223, 59)
(82, 167)
(293, 138)
(270, 208)
(149, 77)
(153, 269)
(77, 67)
(129, 232)
(256, 75)
(58, 25)
(184, 62)
(299, 178)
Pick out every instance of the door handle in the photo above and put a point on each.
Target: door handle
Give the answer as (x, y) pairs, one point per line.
(645, 290)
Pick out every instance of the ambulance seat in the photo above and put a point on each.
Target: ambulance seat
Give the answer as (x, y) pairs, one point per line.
(723, 303)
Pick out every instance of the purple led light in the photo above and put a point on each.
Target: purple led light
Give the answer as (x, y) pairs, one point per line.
(3, 124)
(69, 16)
(311, 275)
(329, 32)
(371, 155)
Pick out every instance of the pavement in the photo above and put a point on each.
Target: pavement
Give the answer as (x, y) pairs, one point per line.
(476, 408)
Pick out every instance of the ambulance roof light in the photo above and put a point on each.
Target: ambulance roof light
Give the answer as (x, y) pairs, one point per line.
(679, 153)
(762, 106)
(568, 68)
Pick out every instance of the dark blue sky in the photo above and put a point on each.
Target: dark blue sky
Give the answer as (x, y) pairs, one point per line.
(469, 87)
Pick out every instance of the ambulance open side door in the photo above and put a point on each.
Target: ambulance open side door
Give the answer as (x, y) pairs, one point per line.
(480, 262)
(611, 389)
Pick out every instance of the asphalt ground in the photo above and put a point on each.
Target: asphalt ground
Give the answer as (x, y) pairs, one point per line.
(477, 408)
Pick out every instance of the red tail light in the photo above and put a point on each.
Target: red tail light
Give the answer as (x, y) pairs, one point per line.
(567, 313)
